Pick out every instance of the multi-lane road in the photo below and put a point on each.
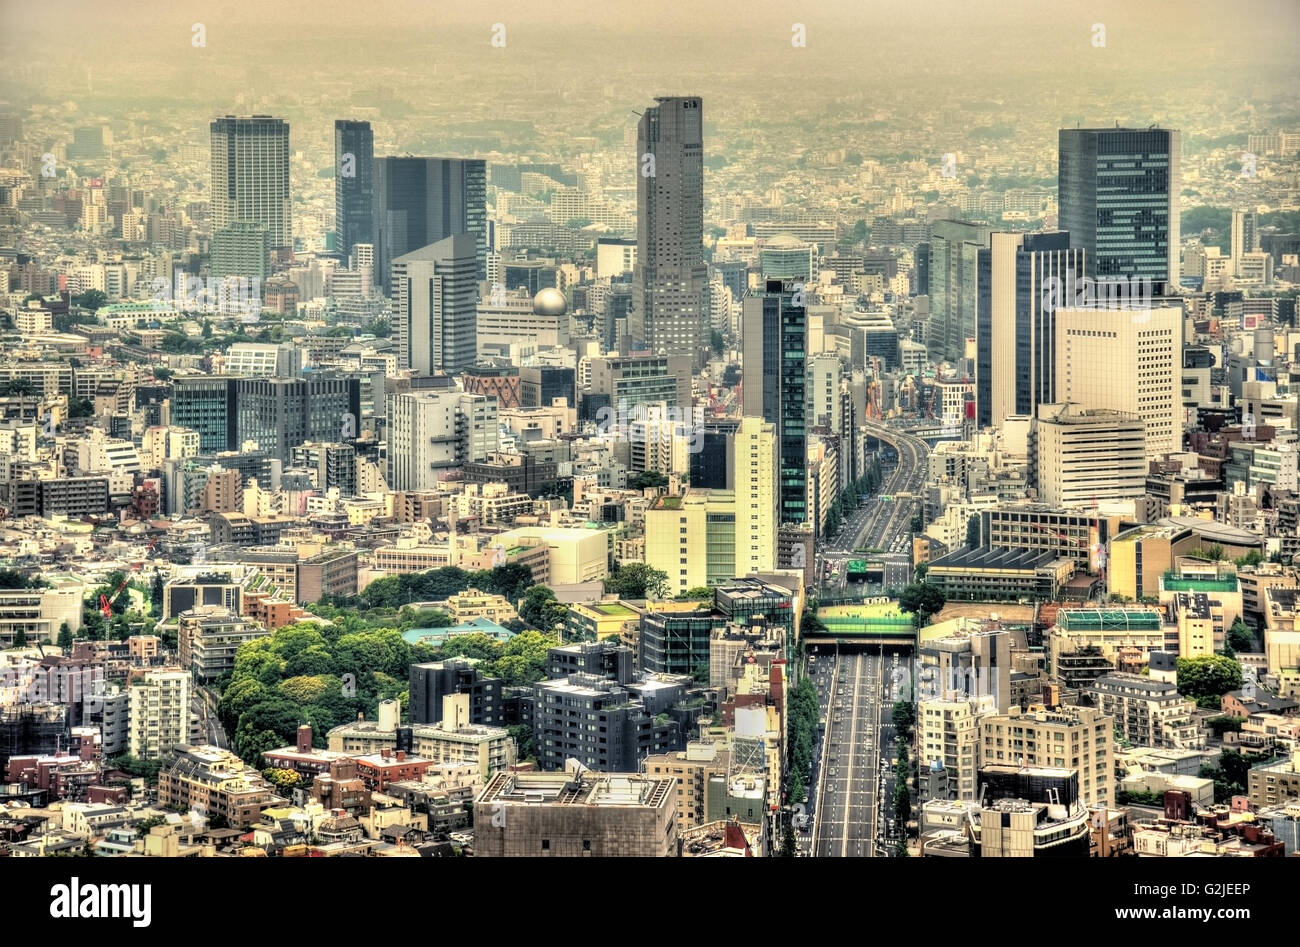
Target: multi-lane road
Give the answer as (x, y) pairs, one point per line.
(852, 794)
(885, 524)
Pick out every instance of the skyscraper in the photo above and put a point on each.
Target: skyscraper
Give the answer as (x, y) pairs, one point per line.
(354, 183)
(954, 285)
(435, 320)
(250, 177)
(669, 306)
(1245, 237)
(775, 356)
(420, 201)
(1117, 190)
(1015, 337)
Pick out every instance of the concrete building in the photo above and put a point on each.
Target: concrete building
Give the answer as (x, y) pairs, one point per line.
(948, 734)
(430, 432)
(216, 782)
(693, 771)
(430, 683)
(161, 717)
(1149, 712)
(1271, 784)
(1081, 455)
(1078, 738)
(1127, 360)
(576, 815)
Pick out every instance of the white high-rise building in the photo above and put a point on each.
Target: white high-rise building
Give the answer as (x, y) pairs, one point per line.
(1128, 360)
(432, 431)
(434, 296)
(159, 709)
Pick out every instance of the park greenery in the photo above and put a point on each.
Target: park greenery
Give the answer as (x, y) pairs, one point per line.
(297, 675)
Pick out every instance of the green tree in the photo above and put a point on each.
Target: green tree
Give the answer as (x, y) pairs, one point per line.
(647, 478)
(20, 638)
(789, 845)
(923, 599)
(973, 531)
(903, 715)
(65, 637)
(92, 299)
(637, 580)
(380, 328)
(1240, 637)
(1206, 679)
(717, 343)
(861, 233)
(701, 593)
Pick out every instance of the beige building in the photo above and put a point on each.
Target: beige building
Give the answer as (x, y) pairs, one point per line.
(691, 772)
(1077, 738)
(1083, 455)
(576, 555)
(215, 782)
(488, 748)
(470, 604)
(1272, 783)
(755, 474)
(948, 732)
(1128, 360)
(1282, 638)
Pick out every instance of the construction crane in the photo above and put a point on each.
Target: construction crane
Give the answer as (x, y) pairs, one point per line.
(106, 603)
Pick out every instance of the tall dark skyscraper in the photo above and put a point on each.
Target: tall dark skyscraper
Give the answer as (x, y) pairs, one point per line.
(420, 201)
(1117, 191)
(954, 287)
(669, 303)
(1015, 360)
(354, 184)
(250, 176)
(775, 357)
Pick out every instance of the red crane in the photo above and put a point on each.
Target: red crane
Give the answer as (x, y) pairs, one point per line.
(106, 603)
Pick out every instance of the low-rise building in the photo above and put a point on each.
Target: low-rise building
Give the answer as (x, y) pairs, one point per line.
(1149, 712)
(215, 782)
(576, 815)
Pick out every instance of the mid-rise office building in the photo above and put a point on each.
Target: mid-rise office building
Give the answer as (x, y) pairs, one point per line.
(1082, 455)
(433, 431)
(1077, 738)
(279, 414)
